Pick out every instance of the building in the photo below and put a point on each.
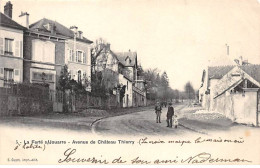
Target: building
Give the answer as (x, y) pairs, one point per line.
(11, 48)
(44, 53)
(128, 67)
(232, 91)
(49, 46)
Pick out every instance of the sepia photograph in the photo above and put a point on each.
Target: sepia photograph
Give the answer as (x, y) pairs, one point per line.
(139, 82)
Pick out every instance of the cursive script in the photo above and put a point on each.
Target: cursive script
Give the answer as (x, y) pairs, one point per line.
(201, 158)
(207, 158)
(69, 159)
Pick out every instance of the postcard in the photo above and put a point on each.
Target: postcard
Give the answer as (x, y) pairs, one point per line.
(117, 82)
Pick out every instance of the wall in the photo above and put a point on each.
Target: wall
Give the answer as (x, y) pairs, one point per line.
(238, 108)
(13, 62)
(128, 91)
(24, 100)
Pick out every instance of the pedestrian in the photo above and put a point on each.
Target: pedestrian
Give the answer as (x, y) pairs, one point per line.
(169, 115)
(158, 111)
(175, 121)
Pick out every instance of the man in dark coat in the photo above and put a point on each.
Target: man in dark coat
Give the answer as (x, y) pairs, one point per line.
(158, 111)
(169, 115)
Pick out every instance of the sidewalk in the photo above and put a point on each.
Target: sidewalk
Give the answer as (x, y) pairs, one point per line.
(203, 121)
(74, 121)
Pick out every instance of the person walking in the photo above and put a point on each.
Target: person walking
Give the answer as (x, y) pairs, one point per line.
(158, 111)
(169, 115)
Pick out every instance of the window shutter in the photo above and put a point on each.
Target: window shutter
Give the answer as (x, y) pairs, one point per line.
(21, 49)
(1, 72)
(17, 49)
(16, 75)
(1, 46)
(84, 57)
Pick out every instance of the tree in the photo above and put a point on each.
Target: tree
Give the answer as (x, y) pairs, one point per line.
(189, 90)
(99, 48)
(64, 80)
(164, 82)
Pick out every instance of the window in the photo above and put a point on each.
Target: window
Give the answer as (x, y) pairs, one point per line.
(9, 46)
(84, 58)
(71, 53)
(8, 76)
(41, 76)
(43, 51)
(79, 56)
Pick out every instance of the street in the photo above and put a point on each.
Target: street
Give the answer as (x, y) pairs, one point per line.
(144, 123)
(135, 122)
(141, 123)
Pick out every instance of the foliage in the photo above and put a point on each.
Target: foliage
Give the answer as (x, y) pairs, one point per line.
(189, 90)
(66, 83)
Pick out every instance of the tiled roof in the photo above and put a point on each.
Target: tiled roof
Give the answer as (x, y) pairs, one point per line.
(252, 70)
(127, 58)
(60, 29)
(218, 72)
(5, 21)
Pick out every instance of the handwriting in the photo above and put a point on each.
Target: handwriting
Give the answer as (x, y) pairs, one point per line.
(201, 158)
(207, 158)
(27, 145)
(69, 159)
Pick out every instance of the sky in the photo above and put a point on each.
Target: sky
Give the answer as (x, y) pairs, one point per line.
(181, 37)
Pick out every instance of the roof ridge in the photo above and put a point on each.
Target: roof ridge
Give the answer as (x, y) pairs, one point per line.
(219, 66)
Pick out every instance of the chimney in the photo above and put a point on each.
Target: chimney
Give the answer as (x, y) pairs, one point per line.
(24, 19)
(241, 60)
(8, 9)
(80, 34)
(53, 29)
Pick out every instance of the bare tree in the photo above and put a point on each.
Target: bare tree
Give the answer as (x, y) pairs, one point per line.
(99, 48)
